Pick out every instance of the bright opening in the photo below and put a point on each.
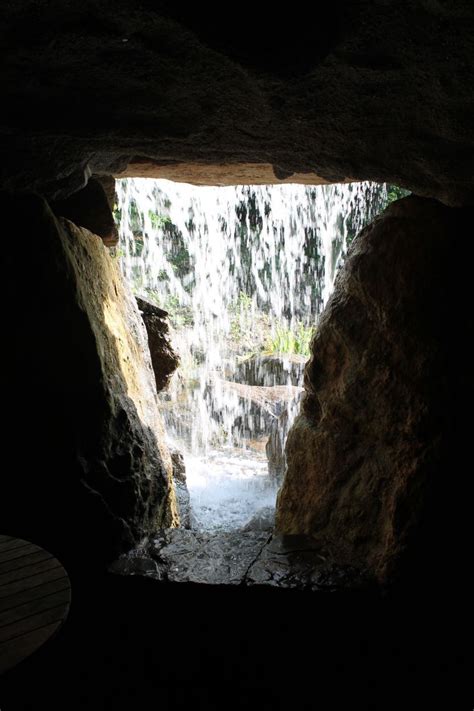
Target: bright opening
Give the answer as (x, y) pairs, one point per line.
(244, 273)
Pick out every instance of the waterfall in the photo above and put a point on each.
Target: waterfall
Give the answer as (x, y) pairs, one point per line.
(244, 272)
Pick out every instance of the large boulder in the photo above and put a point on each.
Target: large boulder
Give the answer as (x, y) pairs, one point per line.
(89, 472)
(375, 460)
(163, 358)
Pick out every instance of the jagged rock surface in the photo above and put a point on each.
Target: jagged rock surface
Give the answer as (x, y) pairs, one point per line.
(376, 456)
(163, 357)
(91, 473)
(240, 558)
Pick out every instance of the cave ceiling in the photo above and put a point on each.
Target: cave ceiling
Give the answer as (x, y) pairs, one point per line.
(365, 90)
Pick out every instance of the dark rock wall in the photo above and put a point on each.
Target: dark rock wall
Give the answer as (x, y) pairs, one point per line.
(365, 90)
(378, 457)
(90, 208)
(85, 471)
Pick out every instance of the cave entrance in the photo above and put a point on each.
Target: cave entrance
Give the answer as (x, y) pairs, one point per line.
(243, 273)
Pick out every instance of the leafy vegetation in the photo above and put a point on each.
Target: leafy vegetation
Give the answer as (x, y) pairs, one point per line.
(241, 314)
(158, 221)
(285, 341)
(180, 315)
(395, 193)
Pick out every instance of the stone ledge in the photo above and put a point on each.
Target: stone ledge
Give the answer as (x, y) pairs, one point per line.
(218, 175)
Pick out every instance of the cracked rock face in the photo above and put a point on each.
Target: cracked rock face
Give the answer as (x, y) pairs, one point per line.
(375, 459)
(363, 90)
(240, 558)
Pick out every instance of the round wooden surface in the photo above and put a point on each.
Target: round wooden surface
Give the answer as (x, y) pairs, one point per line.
(35, 594)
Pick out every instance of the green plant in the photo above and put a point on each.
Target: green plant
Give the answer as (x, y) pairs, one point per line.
(395, 193)
(117, 213)
(241, 316)
(158, 221)
(290, 342)
(117, 252)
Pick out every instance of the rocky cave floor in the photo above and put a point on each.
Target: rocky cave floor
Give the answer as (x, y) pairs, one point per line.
(240, 557)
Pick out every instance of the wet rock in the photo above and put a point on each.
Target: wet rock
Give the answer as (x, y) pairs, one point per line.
(275, 447)
(90, 208)
(186, 518)
(259, 405)
(178, 417)
(300, 562)
(382, 430)
(96, 474)
(163, 358)
(271, 370)
(268, 399)
(263, 520)
(215, 559)
(241, 558)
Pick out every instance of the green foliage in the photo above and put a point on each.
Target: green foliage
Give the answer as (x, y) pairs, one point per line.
(137, 246)
(158, 221)
(286, 341)
(241, 313)
(180, 315)
(180, 261)
(243, 305)
(116, 252)
(395, 193)
(117, 213)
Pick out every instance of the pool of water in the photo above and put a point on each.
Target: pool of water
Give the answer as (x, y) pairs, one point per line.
(228, 487)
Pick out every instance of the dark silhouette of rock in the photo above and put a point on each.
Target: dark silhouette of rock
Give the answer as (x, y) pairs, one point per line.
(90, 208)
(91, 474)
(163, 358)
(375, 458)
(108, 183)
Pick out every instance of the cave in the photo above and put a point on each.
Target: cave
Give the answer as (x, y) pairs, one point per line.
(377, 458)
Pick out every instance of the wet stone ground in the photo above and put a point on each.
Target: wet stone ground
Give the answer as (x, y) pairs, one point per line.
(238, 558)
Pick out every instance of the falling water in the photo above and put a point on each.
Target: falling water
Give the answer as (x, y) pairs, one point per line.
(244, 273)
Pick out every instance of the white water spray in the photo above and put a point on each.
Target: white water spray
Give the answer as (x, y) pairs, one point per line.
(244, 273)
